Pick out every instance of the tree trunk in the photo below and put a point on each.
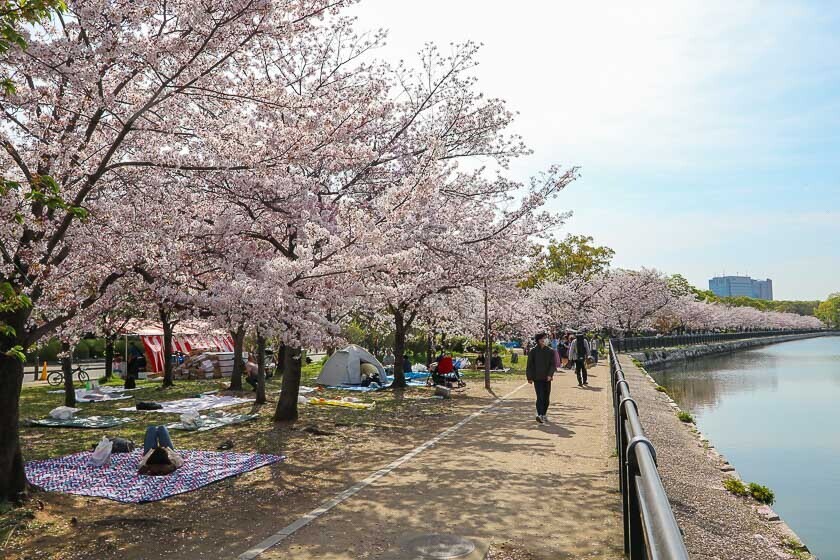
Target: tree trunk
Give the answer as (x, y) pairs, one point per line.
(430, 348)
(280, 364)
(67, 370)
(399, 349)
(287, 405)
(260, 369)
(330, 350)
(13, 484)
(238, 345)
(487, 351)
(167, 347)
(109, 356)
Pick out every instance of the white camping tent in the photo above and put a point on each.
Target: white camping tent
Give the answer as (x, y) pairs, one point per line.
(346, 367)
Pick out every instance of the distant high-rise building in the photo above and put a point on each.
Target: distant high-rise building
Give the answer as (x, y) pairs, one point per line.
(734, 286)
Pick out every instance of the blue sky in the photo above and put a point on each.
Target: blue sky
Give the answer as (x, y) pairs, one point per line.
(708, 133)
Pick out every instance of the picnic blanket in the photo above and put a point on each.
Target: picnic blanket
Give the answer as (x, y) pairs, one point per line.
(416, 383)
(212, 422)
(413, 379)
(119, 481)
(359, 388)
(106, 389)
(85, 396)
(345, 404)
(89, 422)
(195, 404)
(302, 390)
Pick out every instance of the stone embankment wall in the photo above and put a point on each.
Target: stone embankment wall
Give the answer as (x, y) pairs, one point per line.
(716, 524)
(661, 357)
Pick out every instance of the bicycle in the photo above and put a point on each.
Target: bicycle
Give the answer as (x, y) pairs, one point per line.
(56, 378)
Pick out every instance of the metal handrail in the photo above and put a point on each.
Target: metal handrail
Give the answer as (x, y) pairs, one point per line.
(650, 528)
(634, 343)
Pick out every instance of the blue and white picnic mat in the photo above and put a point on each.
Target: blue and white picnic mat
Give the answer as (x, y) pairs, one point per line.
(91, 422)
(119, 481)
(413, 379)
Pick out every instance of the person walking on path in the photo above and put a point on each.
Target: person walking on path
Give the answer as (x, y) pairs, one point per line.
(578, 352)
(540, 373)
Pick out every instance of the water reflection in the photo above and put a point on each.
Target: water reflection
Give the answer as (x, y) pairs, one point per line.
(698, 386)
(772, 411)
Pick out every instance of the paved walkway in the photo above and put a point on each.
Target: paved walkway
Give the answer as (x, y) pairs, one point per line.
(546, 490)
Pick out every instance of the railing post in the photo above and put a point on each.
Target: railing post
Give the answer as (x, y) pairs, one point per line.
(635, 548)
(625, 483)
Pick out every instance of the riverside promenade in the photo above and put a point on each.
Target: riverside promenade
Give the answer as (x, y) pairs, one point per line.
(514, 488)
(715, 524)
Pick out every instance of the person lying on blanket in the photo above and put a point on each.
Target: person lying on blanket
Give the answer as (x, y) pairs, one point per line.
(159, 456)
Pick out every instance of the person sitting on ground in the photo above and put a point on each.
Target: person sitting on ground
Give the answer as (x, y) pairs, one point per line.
(406, 363)
(446, 365)
(479, 361)
(159, 456)
(369, 378)
(447, 373)
(251, 371)
(496, 361)
(389, 360)
(440, 356)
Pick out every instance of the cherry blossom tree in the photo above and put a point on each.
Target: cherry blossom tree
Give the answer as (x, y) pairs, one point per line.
(107, 93)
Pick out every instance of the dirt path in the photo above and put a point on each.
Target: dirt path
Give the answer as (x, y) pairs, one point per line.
(534, 491)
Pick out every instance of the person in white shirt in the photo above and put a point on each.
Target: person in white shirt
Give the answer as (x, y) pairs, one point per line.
(578, 351)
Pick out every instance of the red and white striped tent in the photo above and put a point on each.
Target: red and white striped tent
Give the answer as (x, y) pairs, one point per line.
(186, 337)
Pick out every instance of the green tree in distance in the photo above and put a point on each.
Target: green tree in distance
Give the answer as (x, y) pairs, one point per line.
(576, 255)
(829, 311)
(680, 286)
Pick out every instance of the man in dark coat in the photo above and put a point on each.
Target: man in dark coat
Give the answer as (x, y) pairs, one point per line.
(540, 373)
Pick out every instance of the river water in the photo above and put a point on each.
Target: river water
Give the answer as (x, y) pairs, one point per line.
(774, 413)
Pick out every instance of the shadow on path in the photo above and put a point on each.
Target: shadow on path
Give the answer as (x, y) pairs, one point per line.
(501, 477)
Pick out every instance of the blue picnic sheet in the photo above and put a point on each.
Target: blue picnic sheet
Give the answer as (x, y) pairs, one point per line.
(413, 379)
(355, 388)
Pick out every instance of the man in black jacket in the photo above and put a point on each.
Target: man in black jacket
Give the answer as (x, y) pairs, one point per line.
(540, 372)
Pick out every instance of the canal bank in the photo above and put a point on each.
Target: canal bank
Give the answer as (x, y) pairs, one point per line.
(663, 357)
(716, 524)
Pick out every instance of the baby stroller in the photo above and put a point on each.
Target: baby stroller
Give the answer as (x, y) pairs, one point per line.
(446, 374)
